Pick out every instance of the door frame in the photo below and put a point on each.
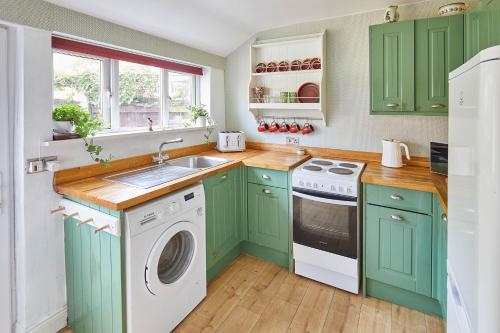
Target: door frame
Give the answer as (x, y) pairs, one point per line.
(7, 56)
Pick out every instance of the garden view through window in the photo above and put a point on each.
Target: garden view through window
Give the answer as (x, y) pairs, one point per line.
(124, 94)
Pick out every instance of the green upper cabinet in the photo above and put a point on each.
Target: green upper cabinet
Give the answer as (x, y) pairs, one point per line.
(268, 216)
(392, 67)
(439, 48)
(399, 248)
(223, 214)
(410, 62)
(482, 27)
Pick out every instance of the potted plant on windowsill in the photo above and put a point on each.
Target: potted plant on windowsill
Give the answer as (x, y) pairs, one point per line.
(83, 125)
(201, 118)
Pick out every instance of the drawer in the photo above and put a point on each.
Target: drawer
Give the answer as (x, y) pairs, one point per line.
(268, 177)
(415, 201)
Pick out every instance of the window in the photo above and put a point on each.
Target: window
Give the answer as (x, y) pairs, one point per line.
(124, 94)
(77, 80)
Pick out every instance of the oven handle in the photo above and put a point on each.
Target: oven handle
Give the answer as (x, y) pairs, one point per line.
(324, 200)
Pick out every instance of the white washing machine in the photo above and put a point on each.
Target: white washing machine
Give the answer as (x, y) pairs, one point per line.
(165, 260)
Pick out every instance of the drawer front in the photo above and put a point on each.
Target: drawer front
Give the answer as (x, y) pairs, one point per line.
(415, 201)
(268, 177)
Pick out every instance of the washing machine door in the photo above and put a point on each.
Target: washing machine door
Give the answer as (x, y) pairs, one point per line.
(172, 257)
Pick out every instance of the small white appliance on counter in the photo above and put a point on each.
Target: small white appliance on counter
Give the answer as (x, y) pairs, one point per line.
(474, 195)
(326, 222)
(391, 153)
(165, 260)
(228, 141)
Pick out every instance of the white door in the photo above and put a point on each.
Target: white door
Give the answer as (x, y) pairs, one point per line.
(6, 161)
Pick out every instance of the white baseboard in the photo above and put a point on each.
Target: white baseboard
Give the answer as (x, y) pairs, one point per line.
(51, 324)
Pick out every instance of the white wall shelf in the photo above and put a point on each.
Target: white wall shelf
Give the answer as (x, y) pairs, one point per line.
(288, 49)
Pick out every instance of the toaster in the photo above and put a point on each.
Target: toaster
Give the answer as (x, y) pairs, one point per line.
(231, 141)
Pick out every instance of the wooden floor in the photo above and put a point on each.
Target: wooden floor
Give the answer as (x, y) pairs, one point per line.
(252, 295)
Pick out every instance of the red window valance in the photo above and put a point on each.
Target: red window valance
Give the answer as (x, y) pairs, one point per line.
(101, 51)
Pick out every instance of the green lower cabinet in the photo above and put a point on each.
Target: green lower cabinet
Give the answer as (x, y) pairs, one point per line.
(404, 249)
(95, 283)
(223, 219)
(399, 248)
(440, 248)
(268, 223)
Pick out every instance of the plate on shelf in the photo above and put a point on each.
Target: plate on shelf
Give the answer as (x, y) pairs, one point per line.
(308, 93)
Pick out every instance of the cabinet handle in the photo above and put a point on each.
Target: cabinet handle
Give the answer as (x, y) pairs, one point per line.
(223, 177)
(396, 197)
(392, 105)
(397, 217)
(266, 177)
(444, 217)
(438, 106)
(266, 191)
(90, 220)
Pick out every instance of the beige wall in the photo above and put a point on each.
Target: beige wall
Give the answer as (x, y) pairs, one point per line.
(349, 124)
(46, 16)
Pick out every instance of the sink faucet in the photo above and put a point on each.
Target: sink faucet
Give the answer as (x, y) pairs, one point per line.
(161, 156)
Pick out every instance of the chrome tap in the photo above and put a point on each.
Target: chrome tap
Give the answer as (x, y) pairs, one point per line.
(161, 156)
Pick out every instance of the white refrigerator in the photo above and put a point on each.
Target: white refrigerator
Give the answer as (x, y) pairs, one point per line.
(473, 195)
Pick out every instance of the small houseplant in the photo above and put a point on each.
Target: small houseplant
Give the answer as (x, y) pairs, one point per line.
(201, 118)
(83, 125)
(199, 115)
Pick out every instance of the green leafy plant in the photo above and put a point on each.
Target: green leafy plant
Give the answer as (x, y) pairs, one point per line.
(199, 112)
(85, 126)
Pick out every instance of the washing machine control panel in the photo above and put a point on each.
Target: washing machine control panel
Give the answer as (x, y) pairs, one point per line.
(159, 211)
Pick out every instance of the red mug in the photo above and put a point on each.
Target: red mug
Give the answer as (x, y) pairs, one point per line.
(262, 126)
(273, 127)
(294, 128)
(307, 129)
(284, 127)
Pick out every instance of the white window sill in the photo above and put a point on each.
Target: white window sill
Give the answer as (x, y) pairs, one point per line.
(128, 134)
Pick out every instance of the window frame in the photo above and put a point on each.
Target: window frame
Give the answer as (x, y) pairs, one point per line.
(110, 101)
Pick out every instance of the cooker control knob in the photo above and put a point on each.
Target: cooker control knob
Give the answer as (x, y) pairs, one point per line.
(341, 189)
(301, 182)
(308, 184)
(333, 188)
(315, 185)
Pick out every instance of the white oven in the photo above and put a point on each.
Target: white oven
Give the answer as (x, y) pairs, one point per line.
(326, 228)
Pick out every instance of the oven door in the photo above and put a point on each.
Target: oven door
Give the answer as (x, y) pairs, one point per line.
(326, 222)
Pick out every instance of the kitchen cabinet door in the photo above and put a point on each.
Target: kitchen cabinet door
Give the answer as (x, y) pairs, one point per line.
(482, 27)
(268, 216)
(392, 67)
(223, 214)
(439, 48)
(399, 248)
(440, 256)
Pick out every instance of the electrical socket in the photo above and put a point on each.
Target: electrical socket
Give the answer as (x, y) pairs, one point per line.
(292, 140)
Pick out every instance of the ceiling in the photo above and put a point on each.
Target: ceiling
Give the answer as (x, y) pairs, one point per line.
(217, 26)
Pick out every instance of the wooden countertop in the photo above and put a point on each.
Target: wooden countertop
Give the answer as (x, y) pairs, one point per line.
(409, 177)
(117, 196)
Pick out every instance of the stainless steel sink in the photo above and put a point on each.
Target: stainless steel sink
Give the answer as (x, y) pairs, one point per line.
(163, 173)
(197, 162)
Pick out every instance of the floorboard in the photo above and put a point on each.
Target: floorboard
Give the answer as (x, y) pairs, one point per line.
(252, 295)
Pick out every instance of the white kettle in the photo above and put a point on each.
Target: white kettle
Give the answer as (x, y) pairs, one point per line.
(391, 153)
